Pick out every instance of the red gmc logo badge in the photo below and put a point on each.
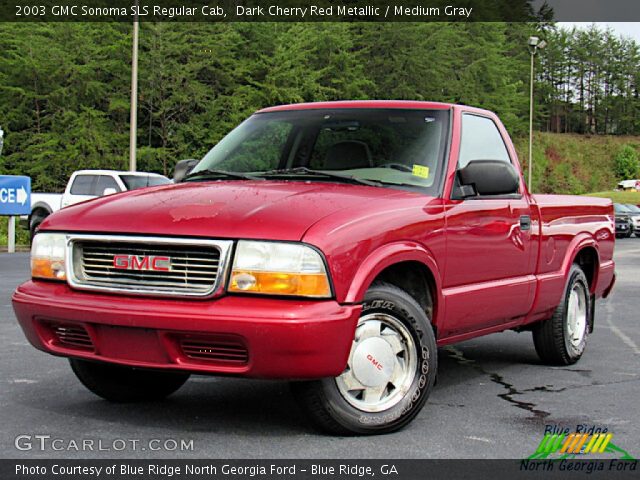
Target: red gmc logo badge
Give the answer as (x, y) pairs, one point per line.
(375, 362)
(148, 262)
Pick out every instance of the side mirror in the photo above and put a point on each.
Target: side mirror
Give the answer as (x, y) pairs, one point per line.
(109, 191)
(488, 177)
(182, 169)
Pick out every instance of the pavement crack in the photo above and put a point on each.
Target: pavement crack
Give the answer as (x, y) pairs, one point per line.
(453, 405)
(601, 384)
(545, 388)
(584, 372)
(511, 391)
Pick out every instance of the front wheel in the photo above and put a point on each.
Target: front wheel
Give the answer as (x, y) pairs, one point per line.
(561, 340)
(34, 222)
(390, 371)
(125, 384)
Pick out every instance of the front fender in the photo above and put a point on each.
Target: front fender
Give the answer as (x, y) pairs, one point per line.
(385, 256)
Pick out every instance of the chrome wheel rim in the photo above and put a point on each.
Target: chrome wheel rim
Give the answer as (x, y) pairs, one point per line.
(576, 324)
(381, 365)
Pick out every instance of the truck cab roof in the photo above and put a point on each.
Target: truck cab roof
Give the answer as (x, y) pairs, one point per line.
(404, 104)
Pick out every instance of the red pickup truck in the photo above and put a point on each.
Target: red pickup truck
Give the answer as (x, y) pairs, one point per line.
(334, 244)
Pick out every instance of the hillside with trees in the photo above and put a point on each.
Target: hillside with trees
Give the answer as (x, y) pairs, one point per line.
(64, 88)
(589, 83)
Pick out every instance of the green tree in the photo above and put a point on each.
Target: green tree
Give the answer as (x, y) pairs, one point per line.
(627, 165)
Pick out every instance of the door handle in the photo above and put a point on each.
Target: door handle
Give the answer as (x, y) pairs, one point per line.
(525, 222)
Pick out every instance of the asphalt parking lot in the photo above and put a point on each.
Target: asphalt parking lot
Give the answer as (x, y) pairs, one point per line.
(493, 399)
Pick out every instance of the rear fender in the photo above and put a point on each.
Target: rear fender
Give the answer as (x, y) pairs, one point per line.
(577, 244)
(551, 285)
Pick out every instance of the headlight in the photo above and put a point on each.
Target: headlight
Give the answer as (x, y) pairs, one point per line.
(279, 269)
(48, 256)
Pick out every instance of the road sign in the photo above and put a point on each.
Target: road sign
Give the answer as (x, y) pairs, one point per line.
(15, 195)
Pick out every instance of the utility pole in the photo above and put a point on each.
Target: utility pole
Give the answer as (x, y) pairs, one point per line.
(535, 44)
(134, 96)
(11, 226)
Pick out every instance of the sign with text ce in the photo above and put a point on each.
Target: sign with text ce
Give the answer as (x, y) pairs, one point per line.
(15, 195)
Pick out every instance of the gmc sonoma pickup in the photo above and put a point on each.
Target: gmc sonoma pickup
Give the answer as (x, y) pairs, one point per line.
(333, 244)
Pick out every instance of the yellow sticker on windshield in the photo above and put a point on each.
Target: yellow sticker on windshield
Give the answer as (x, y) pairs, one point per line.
(420, 171)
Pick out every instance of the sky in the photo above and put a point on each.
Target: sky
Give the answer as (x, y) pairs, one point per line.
(627, 29)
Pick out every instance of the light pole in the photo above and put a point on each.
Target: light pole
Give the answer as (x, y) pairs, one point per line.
(535, 44)
(133, 121)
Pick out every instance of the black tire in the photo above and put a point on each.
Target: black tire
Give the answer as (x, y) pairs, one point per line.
(328, 407)
(125, 384)
(35, 220)
(551, 337)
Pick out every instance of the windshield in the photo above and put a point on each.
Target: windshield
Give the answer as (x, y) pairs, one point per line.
(619, 208)
(633, 208)
(388, 147)
(134, 182)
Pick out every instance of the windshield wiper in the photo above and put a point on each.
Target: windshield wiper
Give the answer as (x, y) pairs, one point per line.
(217, 174)
(322, 173)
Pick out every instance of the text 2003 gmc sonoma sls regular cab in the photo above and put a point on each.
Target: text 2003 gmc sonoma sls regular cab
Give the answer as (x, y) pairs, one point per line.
(333, 244)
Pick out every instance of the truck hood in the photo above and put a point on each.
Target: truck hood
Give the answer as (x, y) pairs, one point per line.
(276, 210)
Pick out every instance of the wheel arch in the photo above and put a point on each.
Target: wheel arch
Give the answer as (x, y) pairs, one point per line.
(588, 260)
(584, 252)
(41, 207)
(407, 265)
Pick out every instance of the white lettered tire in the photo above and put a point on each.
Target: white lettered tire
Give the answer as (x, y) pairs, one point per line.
(561, 340)
(390, 373)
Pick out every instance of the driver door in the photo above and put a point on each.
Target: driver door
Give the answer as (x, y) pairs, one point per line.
(488, 278)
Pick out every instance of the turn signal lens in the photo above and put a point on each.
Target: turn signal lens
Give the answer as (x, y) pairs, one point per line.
(274, 268)
(308, 285)
(48, 254)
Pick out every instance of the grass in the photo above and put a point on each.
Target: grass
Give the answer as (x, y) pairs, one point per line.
(619, 197)
(573, 164)
(22, 235)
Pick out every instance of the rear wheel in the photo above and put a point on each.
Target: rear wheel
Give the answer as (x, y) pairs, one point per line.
(125, 384)
(561, 340)
(390, 371)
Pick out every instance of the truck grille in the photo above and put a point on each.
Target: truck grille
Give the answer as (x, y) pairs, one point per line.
(148, 265)
(225, 351)
(72, 336)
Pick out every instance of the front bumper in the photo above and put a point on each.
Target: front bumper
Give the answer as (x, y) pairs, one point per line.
(282, 338)
(623, 228)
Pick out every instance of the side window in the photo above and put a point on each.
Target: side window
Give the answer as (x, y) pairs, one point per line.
(83, 185)
(481, 140)
(105, 181)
